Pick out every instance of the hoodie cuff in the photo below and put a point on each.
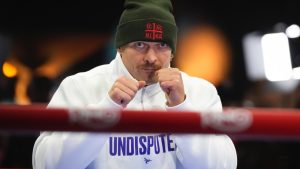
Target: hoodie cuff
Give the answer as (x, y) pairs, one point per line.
(185, 105)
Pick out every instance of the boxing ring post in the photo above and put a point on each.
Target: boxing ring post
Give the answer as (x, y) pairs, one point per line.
(233, 121)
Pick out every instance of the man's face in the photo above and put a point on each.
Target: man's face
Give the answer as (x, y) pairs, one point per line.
(143, 59)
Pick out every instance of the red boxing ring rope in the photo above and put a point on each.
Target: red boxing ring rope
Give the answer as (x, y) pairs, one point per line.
(233, 121)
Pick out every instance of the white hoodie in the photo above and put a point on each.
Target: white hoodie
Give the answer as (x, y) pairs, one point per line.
(80, 150)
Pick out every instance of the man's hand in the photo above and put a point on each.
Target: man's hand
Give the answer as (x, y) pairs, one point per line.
(124, 90)
(171, 83)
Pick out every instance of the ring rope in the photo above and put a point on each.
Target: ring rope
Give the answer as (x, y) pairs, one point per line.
(233, 121)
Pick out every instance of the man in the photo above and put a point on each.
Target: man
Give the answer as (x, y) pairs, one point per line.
(140, 78)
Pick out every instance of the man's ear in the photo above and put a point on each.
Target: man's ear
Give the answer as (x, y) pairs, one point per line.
(120, 49)
(172, 56)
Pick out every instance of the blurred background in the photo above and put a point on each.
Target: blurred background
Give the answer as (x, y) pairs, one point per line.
(248, 49)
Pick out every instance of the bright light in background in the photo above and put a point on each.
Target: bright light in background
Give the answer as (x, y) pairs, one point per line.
(293, 31)
(253, 56)
(296, 73)
(9, 70)
(276, 55)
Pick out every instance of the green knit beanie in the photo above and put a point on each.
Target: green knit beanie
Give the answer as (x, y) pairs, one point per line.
(147, 20)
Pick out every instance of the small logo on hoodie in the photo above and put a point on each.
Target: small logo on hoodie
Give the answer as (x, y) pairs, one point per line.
(147, 160)
(154, 31)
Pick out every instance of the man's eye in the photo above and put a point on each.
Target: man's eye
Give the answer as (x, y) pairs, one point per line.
(163, 45)
(139, 44)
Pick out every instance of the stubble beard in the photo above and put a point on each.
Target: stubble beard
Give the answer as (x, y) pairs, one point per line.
(151, 78)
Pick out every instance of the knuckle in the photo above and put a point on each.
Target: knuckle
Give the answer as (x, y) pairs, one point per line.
(127, 98)
(121, 79)
(118, 84)
(116, 91)
(131, 94)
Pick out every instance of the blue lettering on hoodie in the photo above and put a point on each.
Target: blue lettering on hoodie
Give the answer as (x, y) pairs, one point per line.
(141, 145)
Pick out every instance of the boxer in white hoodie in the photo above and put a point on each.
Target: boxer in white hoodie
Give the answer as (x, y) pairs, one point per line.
(139, 78)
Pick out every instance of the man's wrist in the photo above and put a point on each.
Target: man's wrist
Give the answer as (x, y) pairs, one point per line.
(175, 104)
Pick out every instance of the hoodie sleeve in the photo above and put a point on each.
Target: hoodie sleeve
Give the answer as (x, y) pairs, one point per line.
(61, 150)
(204, 151)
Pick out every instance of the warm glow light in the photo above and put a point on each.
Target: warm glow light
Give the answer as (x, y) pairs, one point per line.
(9, 70)
(276, 55)
(203, 52)
(293, 31)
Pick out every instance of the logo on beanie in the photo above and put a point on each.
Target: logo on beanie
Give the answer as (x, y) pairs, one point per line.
(154, 31)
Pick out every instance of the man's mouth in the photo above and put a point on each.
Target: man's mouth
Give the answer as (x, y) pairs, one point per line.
(149, 69)
(153, 69)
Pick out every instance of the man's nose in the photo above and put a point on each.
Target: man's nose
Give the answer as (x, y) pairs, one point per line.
(151, 56)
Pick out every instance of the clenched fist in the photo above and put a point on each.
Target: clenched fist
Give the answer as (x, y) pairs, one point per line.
(124, 90)
(171, 83)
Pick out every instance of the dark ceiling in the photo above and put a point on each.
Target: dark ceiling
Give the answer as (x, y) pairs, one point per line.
(234, 17)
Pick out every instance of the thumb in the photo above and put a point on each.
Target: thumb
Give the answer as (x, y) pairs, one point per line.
(141, 84)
